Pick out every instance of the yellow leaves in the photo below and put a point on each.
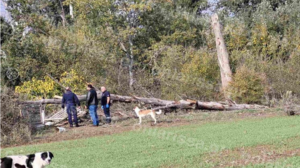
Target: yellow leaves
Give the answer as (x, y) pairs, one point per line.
(248, 86)
(200, 64)
(35, 89)
(73, 80)
(80, 34)
(140, 6)
(237, 36)
(260, 34)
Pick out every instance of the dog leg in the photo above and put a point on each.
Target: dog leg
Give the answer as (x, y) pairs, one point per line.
(153, 116)
(140, 118)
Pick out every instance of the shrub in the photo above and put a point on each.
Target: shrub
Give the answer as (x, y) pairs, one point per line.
(247, 86)
(36, 89)
(73, 80)
(47, 88)
(15, 130)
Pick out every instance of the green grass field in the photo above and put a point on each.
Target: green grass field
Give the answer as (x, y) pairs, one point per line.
(270, 142)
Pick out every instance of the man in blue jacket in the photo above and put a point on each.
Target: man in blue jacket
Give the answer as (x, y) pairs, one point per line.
(70, 100)
(105, 104)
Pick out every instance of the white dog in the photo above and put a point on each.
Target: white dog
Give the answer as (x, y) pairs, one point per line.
(37, 160)
(143, 113)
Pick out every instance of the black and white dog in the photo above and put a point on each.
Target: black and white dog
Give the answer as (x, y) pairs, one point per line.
(37, 160)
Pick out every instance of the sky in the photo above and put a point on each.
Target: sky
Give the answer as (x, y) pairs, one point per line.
(3, 11)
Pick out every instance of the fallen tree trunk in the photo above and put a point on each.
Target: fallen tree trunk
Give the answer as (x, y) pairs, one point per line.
(209, 105)
(160, 103)
(244, 106)
(182, 104)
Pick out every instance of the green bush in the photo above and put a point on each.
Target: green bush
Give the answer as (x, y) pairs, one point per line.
(247, 86)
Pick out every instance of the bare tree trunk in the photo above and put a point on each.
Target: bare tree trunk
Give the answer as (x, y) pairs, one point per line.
(63, 16)
(226, 74)
(130, 56)
(71, 11)
(120, 72)
(130, 66)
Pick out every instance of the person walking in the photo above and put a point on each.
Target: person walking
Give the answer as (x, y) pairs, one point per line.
(105, 104)
(70, 100)
(92, 104)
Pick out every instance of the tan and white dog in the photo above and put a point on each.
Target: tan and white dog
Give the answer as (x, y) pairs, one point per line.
(142, 113)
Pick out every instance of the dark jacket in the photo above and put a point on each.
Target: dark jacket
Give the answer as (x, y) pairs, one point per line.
(91, 98)
(69, 98)
(105, 94)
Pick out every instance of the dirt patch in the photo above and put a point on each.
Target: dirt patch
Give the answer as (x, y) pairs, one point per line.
(261, 154)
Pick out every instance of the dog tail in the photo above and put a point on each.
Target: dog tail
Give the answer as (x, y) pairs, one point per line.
(159, 112)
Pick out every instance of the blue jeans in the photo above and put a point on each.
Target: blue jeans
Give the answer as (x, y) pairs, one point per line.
(93, 113)
(71, 110)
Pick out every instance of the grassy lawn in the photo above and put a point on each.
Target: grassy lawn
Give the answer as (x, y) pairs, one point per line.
(180, 146)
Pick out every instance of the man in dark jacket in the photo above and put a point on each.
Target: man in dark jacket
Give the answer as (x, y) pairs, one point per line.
(92, 104)
(70, 100)
(105, 103)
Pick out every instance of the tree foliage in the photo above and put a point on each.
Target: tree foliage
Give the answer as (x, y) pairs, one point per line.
(248, 86)
(47, 88)
(168, 45)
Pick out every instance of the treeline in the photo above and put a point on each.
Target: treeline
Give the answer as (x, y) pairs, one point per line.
(152, 48)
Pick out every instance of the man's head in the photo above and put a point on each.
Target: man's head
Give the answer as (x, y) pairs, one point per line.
(68, 88)
(103, 89)
(89, 86)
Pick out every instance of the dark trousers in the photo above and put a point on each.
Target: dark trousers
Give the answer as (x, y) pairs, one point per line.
(71, 110)
(107, 114)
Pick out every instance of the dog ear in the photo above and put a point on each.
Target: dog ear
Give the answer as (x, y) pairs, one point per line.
(44, 155)
(51, 155)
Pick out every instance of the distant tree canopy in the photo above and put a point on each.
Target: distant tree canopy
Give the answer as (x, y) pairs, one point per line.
(248, 6)
(6, 30)
(167, 45)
